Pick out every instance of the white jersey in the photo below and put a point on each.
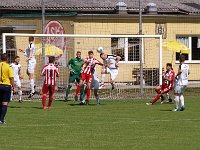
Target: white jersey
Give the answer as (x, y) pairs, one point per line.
(183, 77)
(31, 46)
(16, 68)
(110, 61)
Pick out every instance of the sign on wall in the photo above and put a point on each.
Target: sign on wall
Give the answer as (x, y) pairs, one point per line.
(161, 29)
(55, 27)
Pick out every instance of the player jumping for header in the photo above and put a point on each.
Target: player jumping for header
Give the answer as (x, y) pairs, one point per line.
(168, 84)
(31, 62)
(110, 67)
(86, 75)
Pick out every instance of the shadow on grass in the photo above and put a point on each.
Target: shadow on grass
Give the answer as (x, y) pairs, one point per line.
(166, 110)
(36, 107)
(14, 107)
(84, 105)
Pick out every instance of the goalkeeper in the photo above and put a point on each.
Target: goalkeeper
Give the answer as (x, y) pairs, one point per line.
(75, 67)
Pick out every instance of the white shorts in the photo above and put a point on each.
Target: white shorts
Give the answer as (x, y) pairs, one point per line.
(18, 83)
(113, 73)
(31, 65)
(179, 89)
(95, 84)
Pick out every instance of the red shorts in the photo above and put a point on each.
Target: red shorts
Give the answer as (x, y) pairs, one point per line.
(48, 89)
(165, 88)
(86, 77)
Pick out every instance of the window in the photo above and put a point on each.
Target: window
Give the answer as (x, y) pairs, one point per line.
(126, 48)
(10, 45)
(193, 43)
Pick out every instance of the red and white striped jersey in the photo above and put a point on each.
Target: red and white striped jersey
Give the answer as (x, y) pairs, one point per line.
(171, 75)
(90, 64)
(50, 71)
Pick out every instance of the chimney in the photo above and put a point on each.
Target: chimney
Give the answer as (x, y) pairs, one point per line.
(121, 8)
(151, 8)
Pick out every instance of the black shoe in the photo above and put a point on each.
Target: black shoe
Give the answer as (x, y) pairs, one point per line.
(113, 86)
(31, 95)
(66, 98)
(20, 101)
(169, 100)
(81, 103)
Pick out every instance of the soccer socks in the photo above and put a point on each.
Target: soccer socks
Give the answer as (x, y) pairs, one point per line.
(156, 98)
(50, 101)
(102, 78)
(3, 112)
(20, 94)
(88, 94)
(78, 90)
(98, 100)
(82, 93)
(32, 84)
(182, 100)
(176, 99)
(44, 101)
(68, 90)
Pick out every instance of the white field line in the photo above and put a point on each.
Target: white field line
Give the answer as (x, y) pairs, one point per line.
(117, 122)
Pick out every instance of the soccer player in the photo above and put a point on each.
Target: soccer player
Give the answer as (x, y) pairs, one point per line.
(168, 84)
(50, 71)
(16, 67)
(31, 62)
(110, 67)
(75, 67)
(86, 75)
(95, 85)
(6, 80)
(181, 82)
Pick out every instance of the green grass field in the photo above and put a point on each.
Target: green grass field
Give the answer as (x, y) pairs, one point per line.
(114, 125)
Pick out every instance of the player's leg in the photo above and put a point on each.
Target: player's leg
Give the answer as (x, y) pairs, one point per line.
(30, 70)
(44, 95)
(95, 84)
(177, 91)
(89, 81)
(182, 98)
(169, 98)
(71, 81)
(83, 77)
(103, 75)
(113, 75)
(158, 90)
(5, 99)
(82, 94)
(18, 85)
(51, 93)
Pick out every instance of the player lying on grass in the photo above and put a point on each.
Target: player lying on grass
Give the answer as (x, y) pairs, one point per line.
(31, 63)
(167, 85)
(110, 67)
(95, 85)
(181, 82)
(75, 67)
(16, 67)
(50, 71)
(86, 75)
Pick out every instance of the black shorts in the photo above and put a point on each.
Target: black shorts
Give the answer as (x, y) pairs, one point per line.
(5, 93)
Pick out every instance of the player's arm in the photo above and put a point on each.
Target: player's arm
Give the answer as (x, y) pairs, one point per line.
(179, 71)
(43, 72)
(99, 63)
(11, 78)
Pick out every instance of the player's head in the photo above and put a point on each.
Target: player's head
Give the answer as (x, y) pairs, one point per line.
(103, 56)
(182, 58)
(90, 54)
(51, 59)
(78, 54)
(169, 66)
(4, 57)
(31, 39)
(17, 59)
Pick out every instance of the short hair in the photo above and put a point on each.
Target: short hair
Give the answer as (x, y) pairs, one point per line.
(78, 52)
(101, 54)
(90, 52)
(16, 57)
(51, 59)
(169, 64)
(182, 58)
(4, 57)
(31, 39)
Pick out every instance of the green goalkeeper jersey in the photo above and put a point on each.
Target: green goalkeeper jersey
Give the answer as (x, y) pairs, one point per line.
(75, 65)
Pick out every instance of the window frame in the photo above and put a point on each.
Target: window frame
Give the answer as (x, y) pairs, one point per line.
(189, 61)
(126, 53)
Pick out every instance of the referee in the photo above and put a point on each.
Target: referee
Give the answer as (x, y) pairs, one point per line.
(6, 80)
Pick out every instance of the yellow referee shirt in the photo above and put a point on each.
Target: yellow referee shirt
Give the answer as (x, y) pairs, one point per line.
(5, 73)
